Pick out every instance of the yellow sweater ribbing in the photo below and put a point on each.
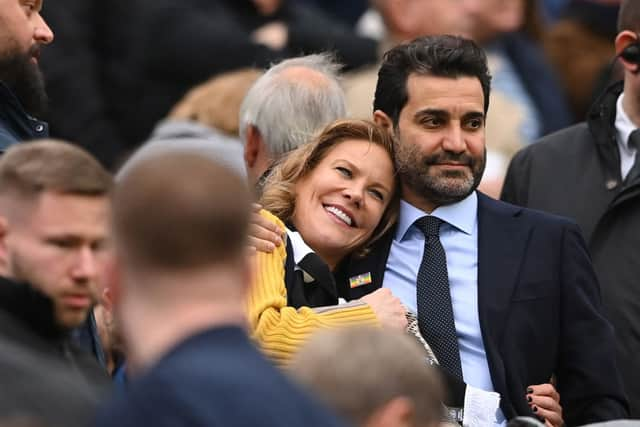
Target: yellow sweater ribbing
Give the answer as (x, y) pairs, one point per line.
(280, 330)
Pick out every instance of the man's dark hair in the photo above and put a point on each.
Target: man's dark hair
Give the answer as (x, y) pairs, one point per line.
(629, 16)
(440, 56)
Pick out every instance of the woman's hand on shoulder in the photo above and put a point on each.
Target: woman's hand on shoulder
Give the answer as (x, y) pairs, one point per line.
(264, 235)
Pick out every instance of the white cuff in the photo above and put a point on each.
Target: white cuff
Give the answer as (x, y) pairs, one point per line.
(480, 407)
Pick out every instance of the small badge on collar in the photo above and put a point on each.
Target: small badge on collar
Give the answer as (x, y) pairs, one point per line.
(360, 280)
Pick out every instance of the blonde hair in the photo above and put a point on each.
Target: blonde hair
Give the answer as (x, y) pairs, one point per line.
(216, 103)
(279, 194)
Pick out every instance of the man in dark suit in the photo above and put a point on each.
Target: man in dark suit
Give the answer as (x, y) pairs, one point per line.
(507, 297)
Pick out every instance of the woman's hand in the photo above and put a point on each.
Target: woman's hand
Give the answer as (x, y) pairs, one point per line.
(387, 308)
(544, 401)
(264, 235)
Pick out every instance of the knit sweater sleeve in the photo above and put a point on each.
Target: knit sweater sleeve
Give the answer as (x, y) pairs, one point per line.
(280, 330)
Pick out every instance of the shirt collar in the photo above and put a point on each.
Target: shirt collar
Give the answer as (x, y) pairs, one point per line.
(299, 247)
(624, 125)
(461, 215)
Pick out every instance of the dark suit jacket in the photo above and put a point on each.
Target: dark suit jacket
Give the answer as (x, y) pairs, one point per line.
(539, 309)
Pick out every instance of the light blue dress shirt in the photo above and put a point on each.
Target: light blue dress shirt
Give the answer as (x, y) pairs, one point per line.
(459, 237)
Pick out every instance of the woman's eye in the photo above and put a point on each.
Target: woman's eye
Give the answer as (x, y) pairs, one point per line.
(344, 171)
(377, 194)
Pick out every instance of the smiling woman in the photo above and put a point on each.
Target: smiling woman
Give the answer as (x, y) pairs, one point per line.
(336, 195)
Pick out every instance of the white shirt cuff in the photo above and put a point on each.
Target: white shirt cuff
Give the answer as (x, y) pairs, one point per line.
(480, 407)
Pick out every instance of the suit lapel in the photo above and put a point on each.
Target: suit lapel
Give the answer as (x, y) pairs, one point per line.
(502, 242)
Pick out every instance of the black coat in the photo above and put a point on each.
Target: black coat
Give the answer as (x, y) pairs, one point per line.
(42, 374)
(576, 173)
(88, 74)
(178, 44)
(15, 124)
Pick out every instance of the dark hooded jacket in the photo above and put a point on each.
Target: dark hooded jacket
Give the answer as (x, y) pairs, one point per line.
(43, 375)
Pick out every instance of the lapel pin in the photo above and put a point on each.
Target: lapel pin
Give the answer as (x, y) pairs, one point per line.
(360, 280)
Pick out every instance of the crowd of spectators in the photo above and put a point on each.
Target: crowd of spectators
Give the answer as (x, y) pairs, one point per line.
(316, 212)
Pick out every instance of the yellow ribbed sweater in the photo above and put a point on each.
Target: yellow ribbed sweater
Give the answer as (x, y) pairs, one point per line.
(280, 330)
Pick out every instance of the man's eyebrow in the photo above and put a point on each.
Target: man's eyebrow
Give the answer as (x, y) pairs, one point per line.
(473, 115)
(431, 112)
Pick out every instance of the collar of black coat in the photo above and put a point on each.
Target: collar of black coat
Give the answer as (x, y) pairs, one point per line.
(18, 123)
(31, 308)
(9, 98)
(601, 122)
(602, 114)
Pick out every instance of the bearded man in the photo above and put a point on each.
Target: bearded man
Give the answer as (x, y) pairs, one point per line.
(506, 297)
(22, 96)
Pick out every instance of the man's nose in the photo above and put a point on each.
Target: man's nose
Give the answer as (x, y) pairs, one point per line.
(85, 267)
(454, 140)
(42, 33)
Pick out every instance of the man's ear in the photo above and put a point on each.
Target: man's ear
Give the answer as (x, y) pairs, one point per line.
(398, 412)
(252, 146)
(623, 40)
(4, 252)
(381, 119)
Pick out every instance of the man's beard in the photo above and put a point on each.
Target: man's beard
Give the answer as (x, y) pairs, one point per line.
(25, 80)
(438, 187)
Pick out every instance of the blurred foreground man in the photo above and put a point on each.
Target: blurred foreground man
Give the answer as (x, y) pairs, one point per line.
(53, 231)
(22, 33)
(180, 280)
(397, 388)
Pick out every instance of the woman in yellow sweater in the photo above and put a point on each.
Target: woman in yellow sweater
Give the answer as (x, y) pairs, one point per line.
(335, 195)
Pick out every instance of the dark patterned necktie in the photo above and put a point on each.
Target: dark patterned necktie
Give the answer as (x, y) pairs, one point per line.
(435, 314)
(634, 172)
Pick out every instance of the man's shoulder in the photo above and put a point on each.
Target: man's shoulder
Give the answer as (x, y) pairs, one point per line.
(497, 208)
(7, 138)
(233, 388)
(41, 385)
(561, 143)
